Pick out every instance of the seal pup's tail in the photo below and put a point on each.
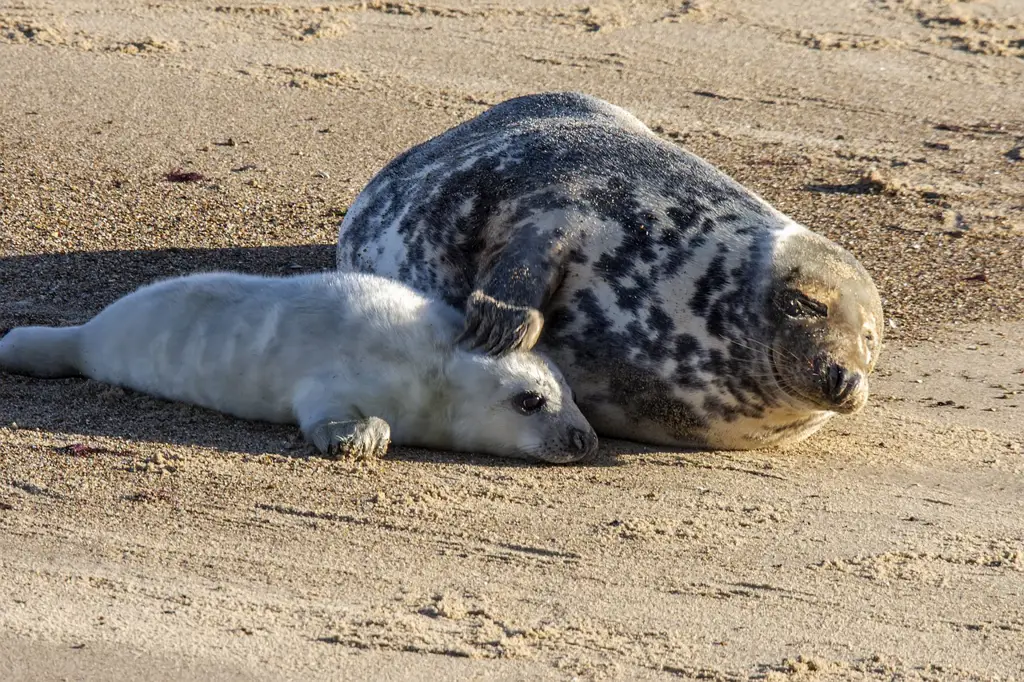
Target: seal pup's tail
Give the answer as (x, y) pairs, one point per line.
(47, 352)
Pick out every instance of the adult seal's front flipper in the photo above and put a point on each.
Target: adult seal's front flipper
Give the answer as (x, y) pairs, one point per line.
(515, 282)
(497, 328)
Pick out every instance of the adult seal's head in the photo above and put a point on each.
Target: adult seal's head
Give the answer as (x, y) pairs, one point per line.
(826, 320)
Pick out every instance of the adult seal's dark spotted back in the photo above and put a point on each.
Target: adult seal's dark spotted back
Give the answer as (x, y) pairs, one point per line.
(683, 309)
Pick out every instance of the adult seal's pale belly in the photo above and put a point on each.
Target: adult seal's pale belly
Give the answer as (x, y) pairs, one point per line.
(682, 308)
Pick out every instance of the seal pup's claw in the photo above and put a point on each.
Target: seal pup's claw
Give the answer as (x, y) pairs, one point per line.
(498, 328)
(357, 439)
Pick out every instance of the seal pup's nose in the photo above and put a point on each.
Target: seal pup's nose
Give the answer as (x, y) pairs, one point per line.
(582, 443)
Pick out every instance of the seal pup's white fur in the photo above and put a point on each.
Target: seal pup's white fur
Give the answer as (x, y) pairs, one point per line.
(356, 360)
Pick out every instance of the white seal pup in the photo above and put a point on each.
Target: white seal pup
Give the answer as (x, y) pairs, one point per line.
(682, 307)
(356, 360)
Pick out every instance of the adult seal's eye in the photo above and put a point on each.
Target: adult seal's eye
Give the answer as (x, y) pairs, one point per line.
(529, 402)
(798, 305)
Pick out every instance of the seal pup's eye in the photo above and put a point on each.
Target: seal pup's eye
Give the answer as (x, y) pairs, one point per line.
(799, 305)
(529, 402)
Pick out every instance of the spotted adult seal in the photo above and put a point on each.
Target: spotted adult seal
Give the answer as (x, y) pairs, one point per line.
(356, 360)
(682, 307)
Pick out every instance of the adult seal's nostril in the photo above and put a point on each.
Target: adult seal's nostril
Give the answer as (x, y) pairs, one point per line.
(853, 380)
(835, 381)
(840, 383)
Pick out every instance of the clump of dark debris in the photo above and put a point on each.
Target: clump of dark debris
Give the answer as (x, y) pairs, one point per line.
(180, 175)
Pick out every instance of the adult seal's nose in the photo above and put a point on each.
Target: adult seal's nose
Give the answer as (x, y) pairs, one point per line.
(582, 442)
(838, 382)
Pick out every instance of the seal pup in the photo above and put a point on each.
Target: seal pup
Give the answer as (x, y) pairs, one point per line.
(683, 308)
(356, 360)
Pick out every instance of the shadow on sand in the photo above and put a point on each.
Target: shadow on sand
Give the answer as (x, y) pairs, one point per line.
(67, 288)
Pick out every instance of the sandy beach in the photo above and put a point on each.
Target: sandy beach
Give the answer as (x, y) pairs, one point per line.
(141, 539)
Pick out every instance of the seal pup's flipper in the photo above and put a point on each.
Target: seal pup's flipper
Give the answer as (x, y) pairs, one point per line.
(46, 352)
(358, 438)
(329, 419)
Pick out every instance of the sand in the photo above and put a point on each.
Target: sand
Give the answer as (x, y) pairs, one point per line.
(146, 540)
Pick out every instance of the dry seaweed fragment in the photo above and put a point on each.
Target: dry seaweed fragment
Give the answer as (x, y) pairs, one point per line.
(179, 175)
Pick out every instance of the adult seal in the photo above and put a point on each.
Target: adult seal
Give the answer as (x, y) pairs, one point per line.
(357, 361)
(683, 308)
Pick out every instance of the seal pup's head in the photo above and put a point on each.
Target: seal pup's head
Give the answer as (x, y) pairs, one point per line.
(517, 405)
(827, 322)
